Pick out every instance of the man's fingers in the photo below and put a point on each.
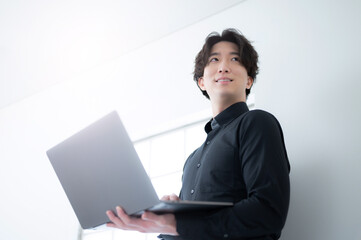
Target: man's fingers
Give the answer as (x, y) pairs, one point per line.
(165, 198)
(116, 221)
(149, 222)
(122, 221)
(148, 216)
(111, 215)
(174, 197)
(122, 215)
(111, 225)
(151, 217)
(130, 223)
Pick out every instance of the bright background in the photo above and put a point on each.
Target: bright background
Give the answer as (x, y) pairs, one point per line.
(64, 64)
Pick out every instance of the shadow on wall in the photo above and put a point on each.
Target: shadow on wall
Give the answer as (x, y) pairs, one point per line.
(317, 205)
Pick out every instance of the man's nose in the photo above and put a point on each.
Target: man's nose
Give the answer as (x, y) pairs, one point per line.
(223, 67)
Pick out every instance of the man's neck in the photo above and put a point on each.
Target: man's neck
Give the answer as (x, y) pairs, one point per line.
(220, 106)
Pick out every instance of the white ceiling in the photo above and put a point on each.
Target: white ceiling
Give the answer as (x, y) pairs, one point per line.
(44, 42)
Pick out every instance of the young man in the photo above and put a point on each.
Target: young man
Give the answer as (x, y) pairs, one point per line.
(243, 159)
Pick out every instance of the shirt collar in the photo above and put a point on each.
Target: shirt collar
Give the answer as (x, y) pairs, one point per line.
(227, 115)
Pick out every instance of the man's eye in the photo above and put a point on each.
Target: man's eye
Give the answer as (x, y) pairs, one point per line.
(235, 59)
(213, 60)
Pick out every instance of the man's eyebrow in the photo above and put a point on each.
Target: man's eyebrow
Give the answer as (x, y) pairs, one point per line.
(217, 53)
(214, 54)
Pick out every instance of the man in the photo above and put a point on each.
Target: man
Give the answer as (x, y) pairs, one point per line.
(243, 159)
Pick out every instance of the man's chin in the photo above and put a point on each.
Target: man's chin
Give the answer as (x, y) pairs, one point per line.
(227, 96)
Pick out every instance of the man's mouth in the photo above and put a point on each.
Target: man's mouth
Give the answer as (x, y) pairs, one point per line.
(224, 80)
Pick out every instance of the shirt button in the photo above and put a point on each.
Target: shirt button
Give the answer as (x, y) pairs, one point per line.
(198, 165)
(192, 191)
(208, 142)
(225, 235)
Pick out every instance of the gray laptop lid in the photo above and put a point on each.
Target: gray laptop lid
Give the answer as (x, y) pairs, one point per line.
(99, 169)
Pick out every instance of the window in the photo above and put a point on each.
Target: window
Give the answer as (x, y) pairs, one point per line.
(163, 156)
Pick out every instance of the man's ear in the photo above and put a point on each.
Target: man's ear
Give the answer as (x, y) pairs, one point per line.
(201, 83)
(249, 83)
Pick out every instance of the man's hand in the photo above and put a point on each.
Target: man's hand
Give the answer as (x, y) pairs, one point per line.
(171, 197)
(147, 223)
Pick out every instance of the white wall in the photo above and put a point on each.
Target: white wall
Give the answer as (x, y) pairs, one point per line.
(309, 78)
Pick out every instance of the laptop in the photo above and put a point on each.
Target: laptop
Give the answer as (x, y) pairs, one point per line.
(99, 169)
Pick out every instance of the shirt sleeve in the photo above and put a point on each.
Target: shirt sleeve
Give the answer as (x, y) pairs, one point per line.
(265, 170)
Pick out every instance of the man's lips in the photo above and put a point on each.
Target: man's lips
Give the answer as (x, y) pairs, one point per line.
(224, 80)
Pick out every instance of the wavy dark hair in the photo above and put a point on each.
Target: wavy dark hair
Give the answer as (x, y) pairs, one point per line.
(248, 55)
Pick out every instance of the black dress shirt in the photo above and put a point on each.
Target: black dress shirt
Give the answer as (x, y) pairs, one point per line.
(244, 161)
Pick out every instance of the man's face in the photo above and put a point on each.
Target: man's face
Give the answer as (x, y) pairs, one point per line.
(224, 78)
